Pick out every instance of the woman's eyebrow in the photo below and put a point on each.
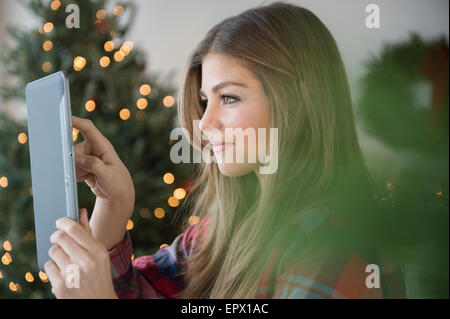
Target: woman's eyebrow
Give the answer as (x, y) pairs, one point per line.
(223, 84)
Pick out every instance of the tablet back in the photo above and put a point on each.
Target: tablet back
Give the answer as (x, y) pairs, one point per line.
(51, 156)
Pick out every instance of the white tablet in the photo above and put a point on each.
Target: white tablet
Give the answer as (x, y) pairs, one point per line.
(51, 157)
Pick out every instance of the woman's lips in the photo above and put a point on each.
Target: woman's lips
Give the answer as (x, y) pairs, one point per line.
(220, 147)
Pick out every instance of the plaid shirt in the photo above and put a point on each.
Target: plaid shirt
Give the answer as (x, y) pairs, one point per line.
(315, 276)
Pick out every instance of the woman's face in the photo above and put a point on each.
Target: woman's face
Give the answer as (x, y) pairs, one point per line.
(233, 98)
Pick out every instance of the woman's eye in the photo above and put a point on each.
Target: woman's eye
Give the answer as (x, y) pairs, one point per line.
(227, 98)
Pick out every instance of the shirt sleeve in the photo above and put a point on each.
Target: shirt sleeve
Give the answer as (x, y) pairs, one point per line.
(155, 276)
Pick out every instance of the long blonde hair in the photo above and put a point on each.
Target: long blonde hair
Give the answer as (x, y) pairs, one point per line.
(297, 60)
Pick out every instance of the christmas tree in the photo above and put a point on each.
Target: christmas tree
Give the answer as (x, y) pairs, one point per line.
(134, 108)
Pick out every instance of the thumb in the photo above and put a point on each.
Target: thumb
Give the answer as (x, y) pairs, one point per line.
(92, 164)
(84, 220)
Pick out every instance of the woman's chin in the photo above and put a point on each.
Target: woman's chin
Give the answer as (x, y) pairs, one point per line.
(236, 169)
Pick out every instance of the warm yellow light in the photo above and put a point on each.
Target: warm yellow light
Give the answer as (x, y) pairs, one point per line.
(128, 44)
(193, 220)
(144, 212)
(79, 63)
(130, 224)
(168, 101)
(47, 45)
(118, 56)
(389, 185)
(104, 61)
(163, 245)
(141, 103)
(3, 181)
(7, 245)
(89, 106)
(101, 14)
(125, 49)
(22, 138)
(124, 114)
(43, 276)
(173, 202)
(46, 66)
(55, 5)
(145, 89)
(12, 286)
(41, 29)
(29, 277)
(168, 178)
(179, 193)
(6, 259)
(109, 46)
(30, 190)
(48, 27)
(132, 256)
(1, 275)
(74, 134)
(159, 213)
(118, 10)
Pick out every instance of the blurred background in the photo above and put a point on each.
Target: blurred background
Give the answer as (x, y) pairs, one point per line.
(125, 65)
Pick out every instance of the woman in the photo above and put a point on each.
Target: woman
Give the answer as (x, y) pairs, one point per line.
(289, 234)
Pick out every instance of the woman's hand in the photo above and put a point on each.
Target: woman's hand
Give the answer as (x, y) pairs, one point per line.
(79, 265)
(99, 166)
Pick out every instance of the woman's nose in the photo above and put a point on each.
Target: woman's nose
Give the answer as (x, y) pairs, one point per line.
(211, 119)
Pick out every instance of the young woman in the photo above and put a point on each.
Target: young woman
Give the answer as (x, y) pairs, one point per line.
(289, 234)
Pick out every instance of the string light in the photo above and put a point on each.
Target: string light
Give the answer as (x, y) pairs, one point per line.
(43, 276)
(1, 275)
(159, 213)
(124, 114)
(104, 61)
(55, 5)
(101, 14)
(141, 103)
(46, 67)
(29, 277)
(130, 224)
(47, 45)
(4, 181)
(22, 138)
(132, 256)
(179, 193)
(6, 259)
(109, 46)
(163, 245)
(79, 63)
(48, 27)
(89, 106)
(41, 30)
(168, 101)
(75, 134)
(118, 56)
(173, 202)
(193, 220)
(118, 10)
(7, 245)
(31, 191)
(145, 89)
(168, 178)
(12, 286)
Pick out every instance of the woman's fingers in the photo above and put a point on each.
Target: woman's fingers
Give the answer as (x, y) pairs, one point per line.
(84, 220)
(92, 164)
(58, 255)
